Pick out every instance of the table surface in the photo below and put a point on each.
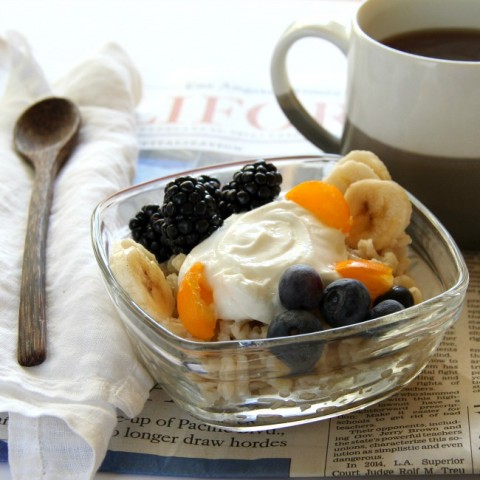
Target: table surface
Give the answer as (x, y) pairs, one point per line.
(171, 41)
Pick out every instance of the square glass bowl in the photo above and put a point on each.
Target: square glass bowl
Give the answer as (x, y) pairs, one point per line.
(240, 385)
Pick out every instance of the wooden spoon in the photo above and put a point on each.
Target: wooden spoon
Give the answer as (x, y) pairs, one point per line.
(45, 135)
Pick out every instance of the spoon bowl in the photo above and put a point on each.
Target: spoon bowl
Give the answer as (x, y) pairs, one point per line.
(45, 135)
(51, 124)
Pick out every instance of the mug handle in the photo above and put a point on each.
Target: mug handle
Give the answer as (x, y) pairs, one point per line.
(290, 104)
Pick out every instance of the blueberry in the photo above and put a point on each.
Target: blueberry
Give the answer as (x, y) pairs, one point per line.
(300, 288)
(398, 293)
(303, 356)
(385, 307)
(345, 302)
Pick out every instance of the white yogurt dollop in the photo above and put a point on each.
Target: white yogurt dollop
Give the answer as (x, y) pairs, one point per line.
(245, 258)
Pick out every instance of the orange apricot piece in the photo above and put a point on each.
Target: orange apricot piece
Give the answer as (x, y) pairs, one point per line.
(323, 200)
(376, 276)
(195, 305)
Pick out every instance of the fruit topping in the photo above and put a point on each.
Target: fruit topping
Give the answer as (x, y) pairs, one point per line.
(212, 185)
(139, 274)
(139, 224)
(190, 214)
(381, 211)
(195, 305)
(376, 276)
(300, 287)
(146, 230)
(369, 159)
(256, 184)
(194, 207)
(323, 200)
(345, 302)
(385, 307)
(398, 293)
(299, 357)
(349, 172)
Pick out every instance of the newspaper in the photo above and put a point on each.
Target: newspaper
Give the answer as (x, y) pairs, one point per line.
(208, 123)
(431, 427)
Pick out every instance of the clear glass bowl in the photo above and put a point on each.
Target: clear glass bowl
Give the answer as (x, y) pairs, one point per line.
(241, 385)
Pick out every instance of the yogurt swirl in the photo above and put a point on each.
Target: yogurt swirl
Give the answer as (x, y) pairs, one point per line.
(245, 258)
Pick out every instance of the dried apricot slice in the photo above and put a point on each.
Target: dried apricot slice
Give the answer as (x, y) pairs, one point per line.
(376, 276)
(195, 306)
(323, 200)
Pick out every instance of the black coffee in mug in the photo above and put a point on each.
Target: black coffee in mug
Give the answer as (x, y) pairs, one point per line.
(459, 44)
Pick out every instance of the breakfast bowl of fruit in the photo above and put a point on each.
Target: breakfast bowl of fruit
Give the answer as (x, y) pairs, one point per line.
(268, 293)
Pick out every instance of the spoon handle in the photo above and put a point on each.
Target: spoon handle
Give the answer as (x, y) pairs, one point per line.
(31, 349)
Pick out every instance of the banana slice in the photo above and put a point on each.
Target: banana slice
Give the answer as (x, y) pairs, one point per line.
(370, 159)
(346, 173)
(139, 274)
(380, 210)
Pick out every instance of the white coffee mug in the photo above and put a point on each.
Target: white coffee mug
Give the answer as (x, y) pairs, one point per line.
(420, 115)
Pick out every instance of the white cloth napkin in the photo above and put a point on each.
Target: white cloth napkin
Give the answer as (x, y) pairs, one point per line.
(63, 412)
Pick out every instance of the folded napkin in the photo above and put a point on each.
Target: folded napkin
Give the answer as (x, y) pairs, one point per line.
(63, 412)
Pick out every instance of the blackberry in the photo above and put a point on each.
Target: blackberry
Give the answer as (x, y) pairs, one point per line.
(256, 184)
(146, 230)
(190, 213)
(138, 224)
(212, 185)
